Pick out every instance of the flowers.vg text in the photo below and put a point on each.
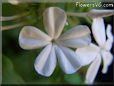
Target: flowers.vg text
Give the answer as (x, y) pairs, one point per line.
(96, 4)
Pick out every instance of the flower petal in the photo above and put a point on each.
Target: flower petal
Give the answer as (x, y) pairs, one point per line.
(109, 41)
(76, 42)
(76, 32)
(98, 29)
(54, 21)
(32, 38)
(93, 70)
(87, 54)
(107, 60)
(78, 36)
(68, 60)
(45, 63)
(95, 13)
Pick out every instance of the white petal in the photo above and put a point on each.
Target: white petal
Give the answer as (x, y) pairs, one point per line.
(95, 13)
(87, 54)
(45, 63)
(107, 60)
(98, 29)
(54, 21)
(14, 2)
(93, 70)
(76, 32)
(31, 38)
(78, 36)
(109, 41)
(68, 60)
(76, 42)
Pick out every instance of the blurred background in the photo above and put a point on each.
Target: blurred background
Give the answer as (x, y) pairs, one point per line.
(18, 64)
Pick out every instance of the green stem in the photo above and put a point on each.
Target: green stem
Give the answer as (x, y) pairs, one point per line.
(77, 14)
(13, 17)
(12, 26)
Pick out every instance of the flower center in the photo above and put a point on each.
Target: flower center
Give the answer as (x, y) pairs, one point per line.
(53, 41)
(102, 48)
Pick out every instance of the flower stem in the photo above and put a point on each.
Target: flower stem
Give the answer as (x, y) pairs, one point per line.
(77, 14)
(12, 26)
(13, 17)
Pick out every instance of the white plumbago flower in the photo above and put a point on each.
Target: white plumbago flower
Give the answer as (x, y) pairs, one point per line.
(56, 45)
(94, 53)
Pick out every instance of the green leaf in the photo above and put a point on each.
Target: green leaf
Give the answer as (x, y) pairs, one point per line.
(9, 75)
(73, 79)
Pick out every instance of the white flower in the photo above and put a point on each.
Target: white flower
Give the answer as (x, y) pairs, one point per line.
(94, 53)
(55, 45)
(13, 2)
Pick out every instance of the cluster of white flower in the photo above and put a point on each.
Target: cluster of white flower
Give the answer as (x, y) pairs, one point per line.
(57, 45)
